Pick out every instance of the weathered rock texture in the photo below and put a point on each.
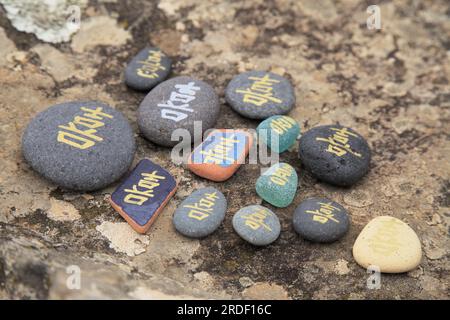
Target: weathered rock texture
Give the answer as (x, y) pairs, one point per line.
(392, 86)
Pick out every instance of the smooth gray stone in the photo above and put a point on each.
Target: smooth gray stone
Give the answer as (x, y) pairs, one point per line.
(257, 225)
(201, 213)
(332, 162)
(321, 220)
(244, 95)
(175, 104)
(148, 68)
(78, 161)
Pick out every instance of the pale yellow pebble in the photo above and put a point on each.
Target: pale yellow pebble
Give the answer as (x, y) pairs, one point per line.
(388, 243)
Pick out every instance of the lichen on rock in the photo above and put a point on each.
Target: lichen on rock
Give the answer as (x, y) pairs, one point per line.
(50, 20)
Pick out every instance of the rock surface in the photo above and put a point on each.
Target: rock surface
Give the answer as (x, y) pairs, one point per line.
(391, 86)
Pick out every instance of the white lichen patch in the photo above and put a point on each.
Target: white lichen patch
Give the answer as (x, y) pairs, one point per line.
(50, 20)
(123, 238)
(62, 211)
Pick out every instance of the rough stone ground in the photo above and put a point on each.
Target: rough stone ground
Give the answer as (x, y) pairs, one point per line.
(392, 86)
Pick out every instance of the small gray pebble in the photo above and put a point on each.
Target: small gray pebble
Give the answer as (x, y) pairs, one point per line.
(201, 213)
(260, 94)
(177, 103)
(321, 220)
(257, 225)
(335, 154)
(148, 68)
(79, 145)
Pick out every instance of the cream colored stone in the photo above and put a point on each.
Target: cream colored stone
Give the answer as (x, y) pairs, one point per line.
(388, 243)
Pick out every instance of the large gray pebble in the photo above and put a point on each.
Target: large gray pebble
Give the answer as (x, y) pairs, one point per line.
(148, 68)
(257, 225)
(260, 99)
(74, 160)
(335, 154)
(321, 220)
(177, 103)
(201, 213)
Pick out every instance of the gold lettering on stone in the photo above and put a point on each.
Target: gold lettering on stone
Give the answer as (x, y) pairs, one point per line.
(281, 174)
(75, 133)
(256, 219)
(151, 65)
(325, 213)
(282, 125)
(140, 193)
(385, 240)
(260, 92)
(338, 142)
(203, 208)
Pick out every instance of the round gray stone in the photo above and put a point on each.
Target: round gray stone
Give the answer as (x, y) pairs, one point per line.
(335, 154)
(257, 225)
(321, 220)
(201, 213)
(260, 94)
(148, 68)
(177, 103)
(79, 145)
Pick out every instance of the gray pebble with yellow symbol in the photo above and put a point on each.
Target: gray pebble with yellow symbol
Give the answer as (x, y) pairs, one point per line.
(321, 220)
(201, 213)
(148, 68)
(260, 94)
(257, 225)
(80, 145)
(335, 154)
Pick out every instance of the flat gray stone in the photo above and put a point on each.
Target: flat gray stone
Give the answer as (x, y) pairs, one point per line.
(148, 68)
(321, 220)
(260, 94)
(257, 225)
(177, 103)
(79, 145)
(201, 213)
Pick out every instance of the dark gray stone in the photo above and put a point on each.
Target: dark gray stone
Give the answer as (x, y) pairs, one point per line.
(257, 225)
(201, 213)
(148, 68)
(260, 94)
(335, 154)
(79, 149)
(321, 220)
(177, 103)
